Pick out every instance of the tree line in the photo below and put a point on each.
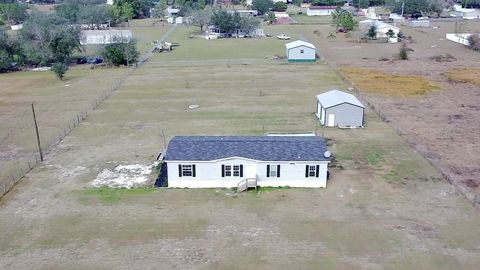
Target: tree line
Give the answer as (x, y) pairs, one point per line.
(52, 39)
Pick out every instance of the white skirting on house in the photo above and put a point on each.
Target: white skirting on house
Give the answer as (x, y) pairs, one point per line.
(314, 183)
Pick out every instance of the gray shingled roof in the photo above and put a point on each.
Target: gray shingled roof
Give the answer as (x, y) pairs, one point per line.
(263, 148)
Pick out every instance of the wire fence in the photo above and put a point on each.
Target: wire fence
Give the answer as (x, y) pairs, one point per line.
(28, 161)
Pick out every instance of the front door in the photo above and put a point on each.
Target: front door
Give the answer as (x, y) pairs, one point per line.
(251, 171)
(331, 120)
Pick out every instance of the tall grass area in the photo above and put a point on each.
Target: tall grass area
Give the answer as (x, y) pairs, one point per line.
(380, 83)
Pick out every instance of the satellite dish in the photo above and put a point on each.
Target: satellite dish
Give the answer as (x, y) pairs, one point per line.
(327, 154)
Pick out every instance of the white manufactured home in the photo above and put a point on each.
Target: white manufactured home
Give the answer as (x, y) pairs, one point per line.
(320, 10)
(225, 161)
(300, 51)
(337, 108)
(100, 37)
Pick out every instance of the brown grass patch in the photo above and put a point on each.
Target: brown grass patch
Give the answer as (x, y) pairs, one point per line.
(380, 83)
(464, 75)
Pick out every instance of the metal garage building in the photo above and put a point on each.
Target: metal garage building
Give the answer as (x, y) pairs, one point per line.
(300, 51)
(337, 108)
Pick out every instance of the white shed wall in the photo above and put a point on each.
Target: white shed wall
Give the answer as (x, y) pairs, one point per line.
(296, 54)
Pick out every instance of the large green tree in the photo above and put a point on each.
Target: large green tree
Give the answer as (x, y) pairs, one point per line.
(6, 50)
(262, 6)
(415, 6)
(47, 38)
(134, 8)
(13, 13)
(344, 19)
(201, 17)
(121, 52)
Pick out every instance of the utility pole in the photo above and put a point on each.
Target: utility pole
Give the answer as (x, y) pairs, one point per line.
(38, 135)
(403, 7)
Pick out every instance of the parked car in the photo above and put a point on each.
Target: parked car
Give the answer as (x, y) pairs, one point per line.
(95, 60)
(283, 37)
(81, 60)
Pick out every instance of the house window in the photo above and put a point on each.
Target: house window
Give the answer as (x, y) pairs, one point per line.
(312, 170)
(232, 170)
(186, 170)
(301, 51)
(228, 170)
(273, 170)
(236, 170)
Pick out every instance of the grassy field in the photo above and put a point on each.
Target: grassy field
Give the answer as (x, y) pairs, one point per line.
(471, 75)
(302, 18)
(201, 49)
(57, 102)
(385, 206)
(146, 31)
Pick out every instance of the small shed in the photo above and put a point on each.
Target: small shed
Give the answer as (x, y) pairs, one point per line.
(338, 108)
(300, 51)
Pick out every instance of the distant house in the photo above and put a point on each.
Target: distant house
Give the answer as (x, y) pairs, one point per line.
(249, 12)
(226, 161)
(172, 12)
(300, 51)
(382, 28)
(320, 10)
(337, 108)
(462, 38)
(465, 13)
(419, 23)
(99, 37)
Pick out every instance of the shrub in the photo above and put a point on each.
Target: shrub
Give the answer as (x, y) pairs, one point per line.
(403, 54)
(474, 42)
(59, 69)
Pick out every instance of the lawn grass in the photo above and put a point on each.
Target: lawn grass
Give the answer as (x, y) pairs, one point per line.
(380, 83)
(225, 48)
(302, 18)
(56, 103)
(114, 195)
(470, 75)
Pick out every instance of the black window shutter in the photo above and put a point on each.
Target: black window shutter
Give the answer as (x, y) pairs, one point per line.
(223, 170)
(306, 171)
(318, 171)
(194, 171)
(278, 170)
(241, 170)
(179, 170)
(268, 170)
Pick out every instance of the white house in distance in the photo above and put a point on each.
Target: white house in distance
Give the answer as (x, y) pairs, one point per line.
(337, 108)
(461, 38)
(268, 161)
(465, 13)
(300, 51)
(320, 10)
(100, 37)
(382, 28)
